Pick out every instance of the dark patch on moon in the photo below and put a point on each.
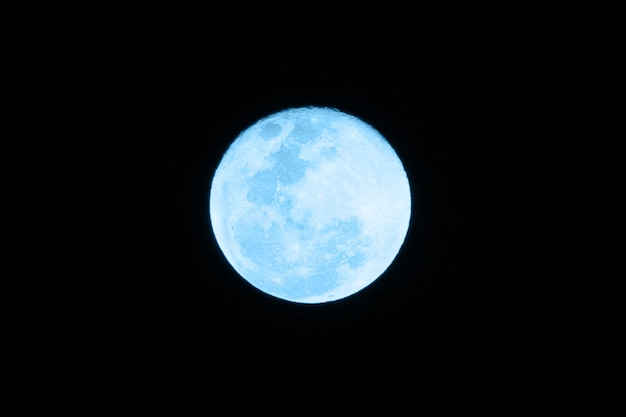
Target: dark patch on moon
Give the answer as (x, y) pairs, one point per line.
(270, 131)
(288, 167)
(262, 187)
(304, 132)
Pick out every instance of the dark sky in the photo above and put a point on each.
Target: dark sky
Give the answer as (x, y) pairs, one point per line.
(467, 312)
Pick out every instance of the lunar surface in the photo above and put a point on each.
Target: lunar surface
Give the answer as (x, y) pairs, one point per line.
(310, 205)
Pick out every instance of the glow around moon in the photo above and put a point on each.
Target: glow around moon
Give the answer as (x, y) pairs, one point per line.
(310, 205)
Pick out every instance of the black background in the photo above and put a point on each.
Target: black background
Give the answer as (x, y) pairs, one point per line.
(470, 311)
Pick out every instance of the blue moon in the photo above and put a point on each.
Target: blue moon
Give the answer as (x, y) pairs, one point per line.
(310, 205)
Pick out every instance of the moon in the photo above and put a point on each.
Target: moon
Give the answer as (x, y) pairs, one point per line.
(310, 205)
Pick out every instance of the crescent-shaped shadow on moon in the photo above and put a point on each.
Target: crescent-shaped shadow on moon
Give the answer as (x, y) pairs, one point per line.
(310, 205)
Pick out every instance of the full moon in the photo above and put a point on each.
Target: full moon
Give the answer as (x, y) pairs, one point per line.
(310, 205)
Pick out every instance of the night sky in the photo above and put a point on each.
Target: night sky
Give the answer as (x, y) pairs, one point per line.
(467, 313)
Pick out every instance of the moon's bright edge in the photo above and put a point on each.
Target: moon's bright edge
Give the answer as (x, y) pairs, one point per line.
(310, 205)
